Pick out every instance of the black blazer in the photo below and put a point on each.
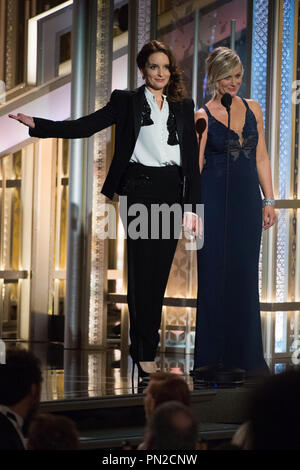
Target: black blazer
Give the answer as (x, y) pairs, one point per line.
(125, 110)
(9, 437)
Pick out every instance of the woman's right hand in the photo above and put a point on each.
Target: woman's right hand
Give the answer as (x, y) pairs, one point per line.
(26, 120)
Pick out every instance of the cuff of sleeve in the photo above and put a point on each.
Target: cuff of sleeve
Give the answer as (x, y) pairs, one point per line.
(32, 130)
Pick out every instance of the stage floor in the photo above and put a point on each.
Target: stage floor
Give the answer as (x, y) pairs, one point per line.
(94, 389)
(83, 374)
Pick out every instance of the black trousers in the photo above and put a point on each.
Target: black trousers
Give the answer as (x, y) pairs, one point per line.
(149, 258)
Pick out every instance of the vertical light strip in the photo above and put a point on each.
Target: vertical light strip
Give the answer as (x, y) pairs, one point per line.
(260, 81)
(2, 265)
(296, 182)
(295, 347)
(259, 72)
(297, 275)
(143, 29)
(195, 57)
(26, 239)
(286, 99)
(98, 280)
(259, 52)
(11, 39)
(55, 282)
(284, 171)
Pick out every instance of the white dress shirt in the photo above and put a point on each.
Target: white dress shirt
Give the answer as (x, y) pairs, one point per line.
(152, 148)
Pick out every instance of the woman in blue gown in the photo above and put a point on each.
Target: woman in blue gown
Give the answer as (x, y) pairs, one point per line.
(234, 165)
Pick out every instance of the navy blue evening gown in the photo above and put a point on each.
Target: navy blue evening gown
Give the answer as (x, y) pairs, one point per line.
(228, 326)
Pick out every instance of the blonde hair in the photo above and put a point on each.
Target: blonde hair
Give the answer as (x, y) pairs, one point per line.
(219, 64)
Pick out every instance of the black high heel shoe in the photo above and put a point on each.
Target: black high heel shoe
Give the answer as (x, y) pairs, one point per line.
(142, 374)
(142, 380)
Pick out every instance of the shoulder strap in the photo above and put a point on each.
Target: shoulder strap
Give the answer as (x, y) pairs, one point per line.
(207, 110)
(245, 103)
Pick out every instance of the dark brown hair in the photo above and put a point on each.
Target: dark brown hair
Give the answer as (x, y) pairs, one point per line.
(175, 89)
(51, 432)
(21, 371)
(173, 426)
(169, 388)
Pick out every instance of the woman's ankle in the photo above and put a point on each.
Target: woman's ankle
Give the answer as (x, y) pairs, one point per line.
(148, 366)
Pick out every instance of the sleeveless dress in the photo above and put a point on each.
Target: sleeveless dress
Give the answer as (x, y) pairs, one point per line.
(228, 325)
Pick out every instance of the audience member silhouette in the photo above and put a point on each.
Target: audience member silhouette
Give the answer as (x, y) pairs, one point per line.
(20, 389)
(164, 387)
(51, 432)
(242, 438)
(274, 414)
(172, 427)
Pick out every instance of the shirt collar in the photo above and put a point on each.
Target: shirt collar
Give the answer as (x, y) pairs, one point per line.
(4, 410)
(150, 95)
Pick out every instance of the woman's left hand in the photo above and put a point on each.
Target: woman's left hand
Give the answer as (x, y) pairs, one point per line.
(269, 217)
(193, 226)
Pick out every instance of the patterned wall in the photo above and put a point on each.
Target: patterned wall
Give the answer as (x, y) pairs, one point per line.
(259, 52)
(97, 314)
(179, 321)
(280, 246)
(285, 149)
(143, 29)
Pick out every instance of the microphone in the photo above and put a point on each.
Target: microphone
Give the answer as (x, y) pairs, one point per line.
(226, 101)
(200, 126)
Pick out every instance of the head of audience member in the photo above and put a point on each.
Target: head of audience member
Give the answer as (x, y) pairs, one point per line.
(163, 387)
(172, 427)
(51, 432)
(275, 413)
(20, 383)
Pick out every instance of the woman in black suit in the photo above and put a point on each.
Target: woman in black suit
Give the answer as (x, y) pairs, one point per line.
(155, 162)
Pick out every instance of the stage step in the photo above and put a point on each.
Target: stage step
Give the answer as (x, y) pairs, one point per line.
(117, 437)
(108, 422)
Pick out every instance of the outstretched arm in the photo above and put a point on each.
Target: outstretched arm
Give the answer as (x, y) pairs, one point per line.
(78, 128)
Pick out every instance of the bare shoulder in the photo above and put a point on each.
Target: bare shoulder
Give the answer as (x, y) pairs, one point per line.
(200, 114)
(257, 111)
(255, 107)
